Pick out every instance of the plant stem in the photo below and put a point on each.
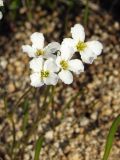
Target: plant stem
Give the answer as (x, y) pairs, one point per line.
(40, 115)
(22, 97)
(86, 13)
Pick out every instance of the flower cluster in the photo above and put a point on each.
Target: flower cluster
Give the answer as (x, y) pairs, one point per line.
(54, 61)
(1, 4)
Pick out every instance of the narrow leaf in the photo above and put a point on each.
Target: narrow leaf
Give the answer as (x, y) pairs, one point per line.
(111, 137)
(25, 115)
(38, 148)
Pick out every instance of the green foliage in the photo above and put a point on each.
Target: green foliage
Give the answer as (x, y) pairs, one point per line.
(111, 137)
(86, 13)
(25, 114)
(38, 148)
(15, 4)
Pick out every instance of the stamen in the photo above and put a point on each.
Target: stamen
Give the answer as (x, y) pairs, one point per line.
(64, 64)
(40, 52)
(81, 46)
(44, 74)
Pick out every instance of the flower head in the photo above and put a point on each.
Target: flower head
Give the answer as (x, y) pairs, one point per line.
(88, 50)
(44, 72)
(67, 65)
(37, 49)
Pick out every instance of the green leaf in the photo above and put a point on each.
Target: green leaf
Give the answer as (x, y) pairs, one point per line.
(38, 148)
(15, 4)
(111, 137)
(25, 114)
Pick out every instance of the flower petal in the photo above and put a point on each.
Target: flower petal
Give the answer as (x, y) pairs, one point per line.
(95, 46)
(1, 3)
(76, 66)
(78, 32)
(52, 47)
(1, 15)
(36, 64)
(36, 80)
(37, 40)
(88, 55)
(29, 50)
(58, 60)
(66, 52)
(52, 79)
(69, 42)
(51, 65)
(66, 76)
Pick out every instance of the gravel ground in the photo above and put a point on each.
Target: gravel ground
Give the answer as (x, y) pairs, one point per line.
(82, 132)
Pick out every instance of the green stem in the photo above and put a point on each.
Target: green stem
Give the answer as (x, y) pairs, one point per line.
(86, 13)
(69, 102)
(40, 115)
(22, 97)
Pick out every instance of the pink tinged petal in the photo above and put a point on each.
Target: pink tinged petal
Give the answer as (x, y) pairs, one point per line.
(95, 46)
(36, 64)
(29, 50)
(52, 79)
(37, 40)
(66, 52)
(78, 32)
(36, 80)
(51, 65)
(66, 76)
(52, 47)
(88, 56)
(76, 66)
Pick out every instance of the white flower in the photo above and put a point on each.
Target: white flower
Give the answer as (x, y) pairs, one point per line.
(67, 65)
(1, 2)
(37, 49)
(1, 15)
(44, 72)
(88, 50)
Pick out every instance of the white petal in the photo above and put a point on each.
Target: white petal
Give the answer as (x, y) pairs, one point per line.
(66, 76)
(1, 3)
(29, 50)
(51, 65)
(69, 42)
(1, 15)
(88, 56)
(36, 80)
(52, 79)
(76, 66)
(78, 32)
(36, 64)
(52, 47)
(58, 60)
(95, 46)
(37, 40)
(66, 52)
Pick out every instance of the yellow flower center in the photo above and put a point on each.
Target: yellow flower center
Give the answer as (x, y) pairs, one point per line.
(40, 52)
(64, 64)
(44, 74)
(81, 46)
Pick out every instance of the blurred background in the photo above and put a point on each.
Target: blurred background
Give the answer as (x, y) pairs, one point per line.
(78, 130)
